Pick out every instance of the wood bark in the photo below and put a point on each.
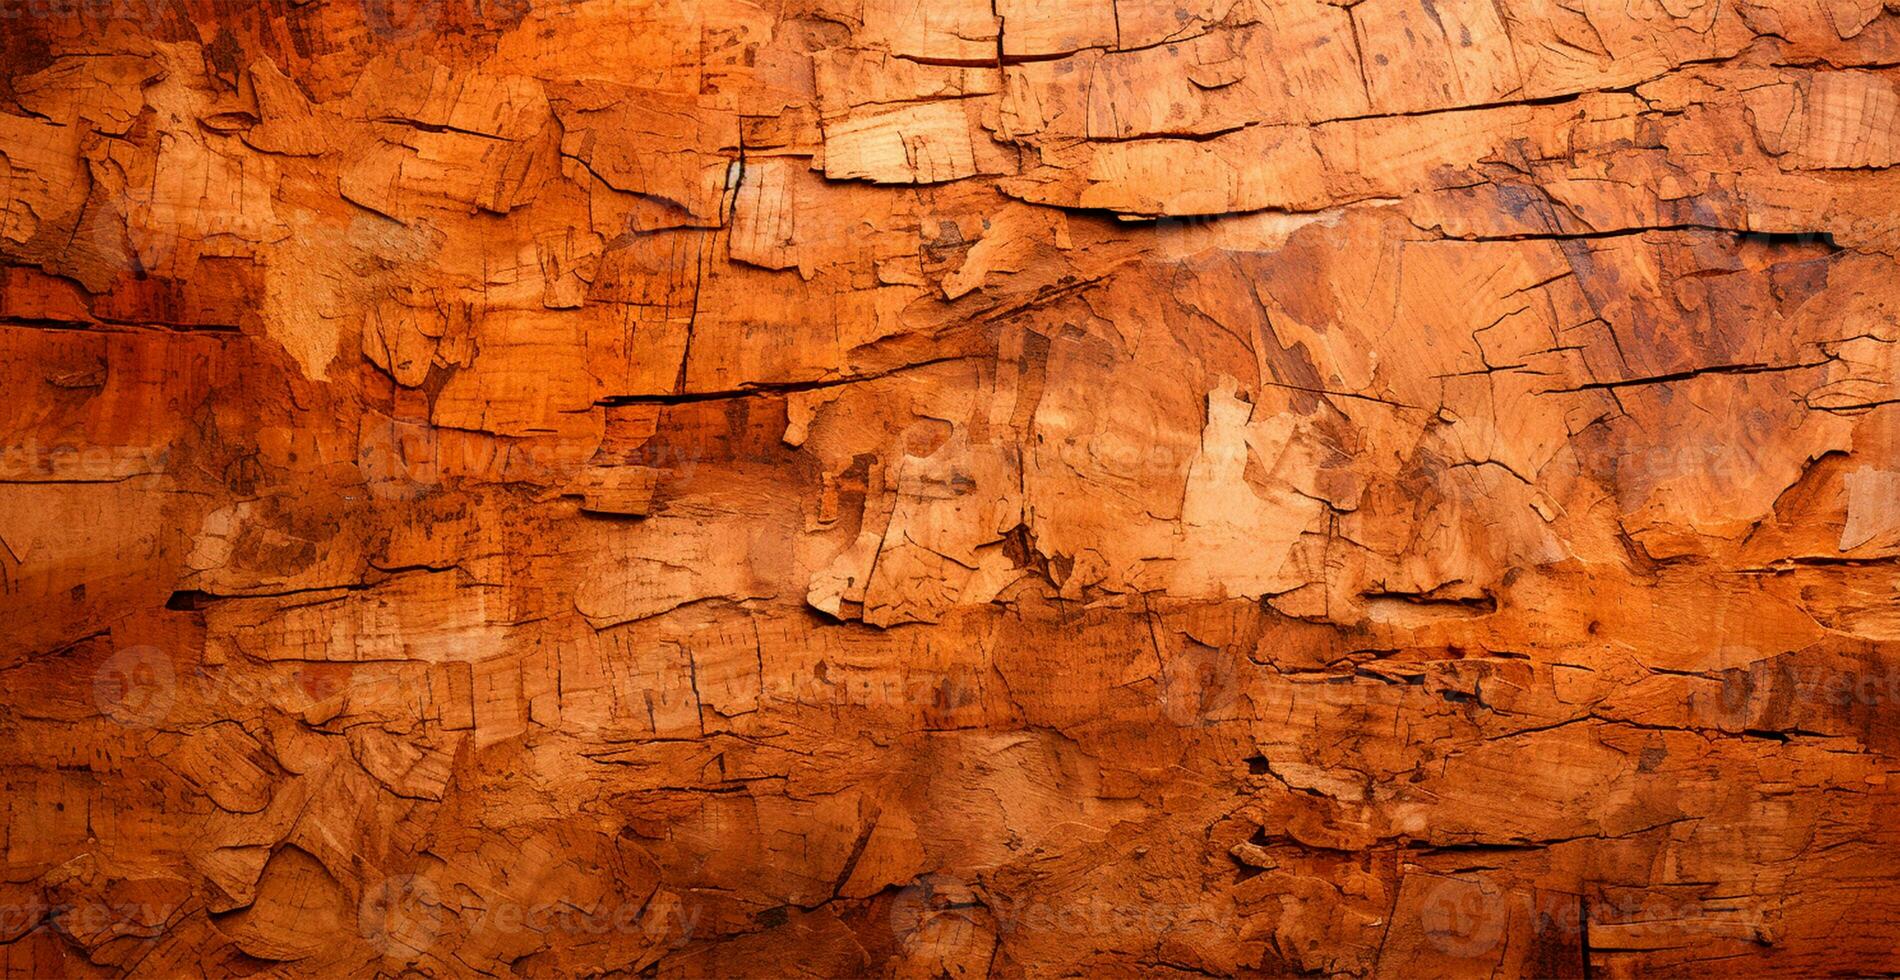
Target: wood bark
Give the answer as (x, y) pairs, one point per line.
(949, 487)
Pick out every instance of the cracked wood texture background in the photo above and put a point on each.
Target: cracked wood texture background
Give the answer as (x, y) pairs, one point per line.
(949, 488)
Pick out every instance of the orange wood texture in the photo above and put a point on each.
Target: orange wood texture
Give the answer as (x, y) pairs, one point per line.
(956, 488)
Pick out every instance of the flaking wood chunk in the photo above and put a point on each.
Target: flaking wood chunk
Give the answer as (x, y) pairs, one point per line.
(625, 491)
(971, 488)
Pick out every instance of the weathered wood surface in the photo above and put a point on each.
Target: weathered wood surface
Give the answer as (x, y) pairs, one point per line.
(907, 487)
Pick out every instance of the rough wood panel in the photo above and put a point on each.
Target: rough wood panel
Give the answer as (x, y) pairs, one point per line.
(932, 487)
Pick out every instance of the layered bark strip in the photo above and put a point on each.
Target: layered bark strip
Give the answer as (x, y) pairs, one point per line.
(949, 488)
